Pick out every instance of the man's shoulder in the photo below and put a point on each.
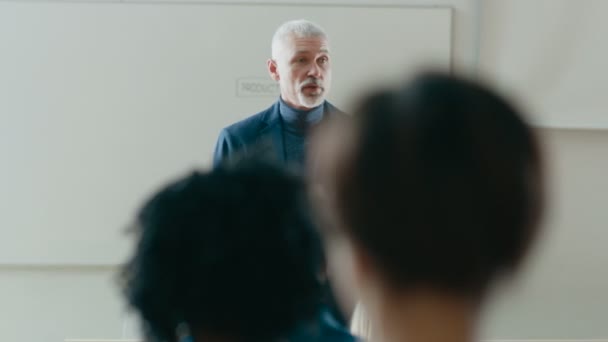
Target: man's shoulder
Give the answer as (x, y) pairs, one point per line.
(251, 125)
(334, 111)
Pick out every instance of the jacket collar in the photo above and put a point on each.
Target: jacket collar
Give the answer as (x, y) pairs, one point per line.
(271, 129)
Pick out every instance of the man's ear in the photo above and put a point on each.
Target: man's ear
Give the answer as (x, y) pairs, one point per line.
(272, 69)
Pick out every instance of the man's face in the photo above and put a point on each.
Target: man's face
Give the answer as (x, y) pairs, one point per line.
(303, 69)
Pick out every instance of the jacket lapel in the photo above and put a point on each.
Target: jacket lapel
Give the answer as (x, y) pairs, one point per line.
(330, 111)
(270, 137)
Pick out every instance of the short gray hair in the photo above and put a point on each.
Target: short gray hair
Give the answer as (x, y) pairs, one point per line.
(300, 28)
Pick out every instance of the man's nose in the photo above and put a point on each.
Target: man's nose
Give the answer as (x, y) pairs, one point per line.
(315, 71)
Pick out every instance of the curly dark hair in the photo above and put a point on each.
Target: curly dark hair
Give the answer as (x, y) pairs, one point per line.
(231, 252)
(443, 183)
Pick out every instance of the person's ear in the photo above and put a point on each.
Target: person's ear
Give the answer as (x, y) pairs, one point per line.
(273, 69)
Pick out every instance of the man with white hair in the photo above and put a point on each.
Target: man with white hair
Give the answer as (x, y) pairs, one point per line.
(301, 65)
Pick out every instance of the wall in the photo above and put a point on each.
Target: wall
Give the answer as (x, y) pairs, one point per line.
(548, 55)
(561, 295)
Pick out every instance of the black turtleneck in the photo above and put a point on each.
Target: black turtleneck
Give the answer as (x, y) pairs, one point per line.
(296, 124)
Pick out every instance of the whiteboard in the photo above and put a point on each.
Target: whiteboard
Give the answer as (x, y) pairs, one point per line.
(552, 56)
(102, 103)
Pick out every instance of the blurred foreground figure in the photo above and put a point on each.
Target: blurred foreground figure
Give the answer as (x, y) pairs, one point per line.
(432, 193)
(229, 255)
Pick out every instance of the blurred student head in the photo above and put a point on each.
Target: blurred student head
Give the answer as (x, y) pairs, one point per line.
(433, 190)
(228, 254)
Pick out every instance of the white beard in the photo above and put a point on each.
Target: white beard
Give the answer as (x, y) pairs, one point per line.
(311, 101)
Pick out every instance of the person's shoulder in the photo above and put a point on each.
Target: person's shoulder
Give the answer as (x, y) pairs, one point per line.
(251, 124)
(335, 111)
(332, 330)
(338, 335)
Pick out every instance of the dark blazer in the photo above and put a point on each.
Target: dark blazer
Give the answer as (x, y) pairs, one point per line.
(262, 134)
(262, 131)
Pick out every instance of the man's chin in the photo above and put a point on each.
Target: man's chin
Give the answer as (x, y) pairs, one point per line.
(312, 101)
